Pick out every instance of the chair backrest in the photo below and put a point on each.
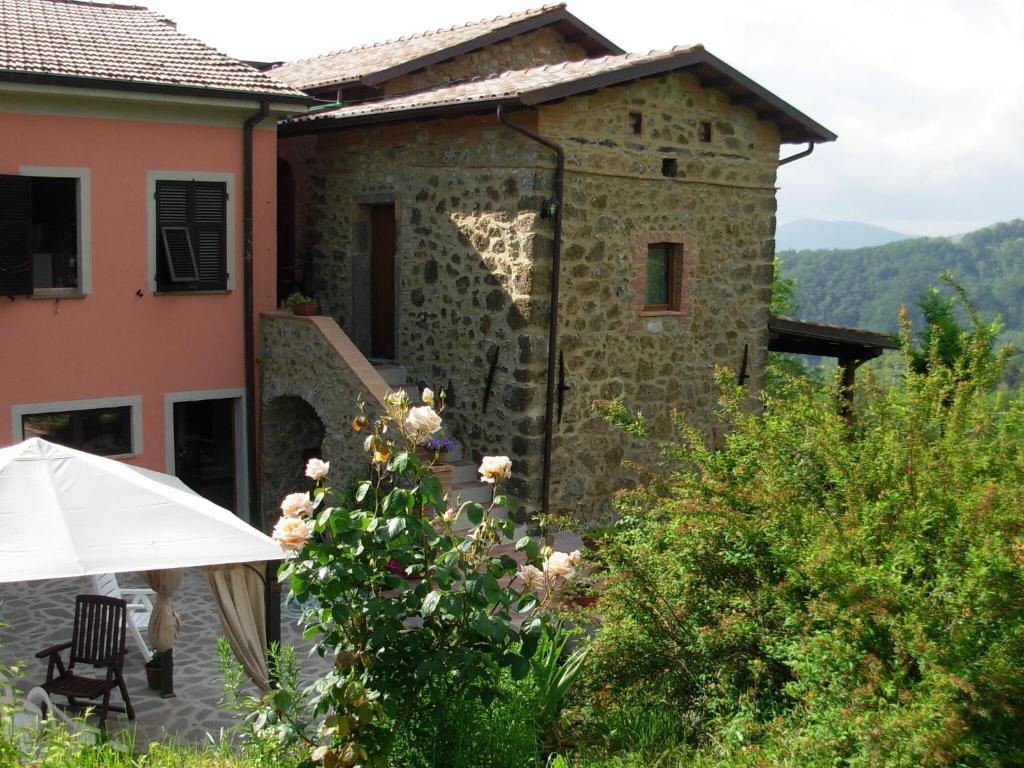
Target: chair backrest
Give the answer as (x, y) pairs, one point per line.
(99, 630)
(106, 584)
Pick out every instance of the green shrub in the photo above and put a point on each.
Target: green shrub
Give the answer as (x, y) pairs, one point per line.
(811, 593)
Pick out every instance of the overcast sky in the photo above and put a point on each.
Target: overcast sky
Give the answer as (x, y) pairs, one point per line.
(927, 96)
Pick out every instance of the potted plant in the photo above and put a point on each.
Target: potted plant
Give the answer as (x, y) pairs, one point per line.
(154, 678)
(435, 449)
(301, 304)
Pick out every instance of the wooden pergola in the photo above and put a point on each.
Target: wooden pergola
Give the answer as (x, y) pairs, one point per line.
(849, 346)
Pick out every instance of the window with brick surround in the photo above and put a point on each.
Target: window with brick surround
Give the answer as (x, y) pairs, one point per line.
(663, 276)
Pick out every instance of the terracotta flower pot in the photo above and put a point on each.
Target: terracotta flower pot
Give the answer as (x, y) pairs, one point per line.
(153, 677)
(306, 308)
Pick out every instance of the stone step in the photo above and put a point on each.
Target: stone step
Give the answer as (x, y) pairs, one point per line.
(413, 393)
(473, 491)
(394, 375)
(463, 471)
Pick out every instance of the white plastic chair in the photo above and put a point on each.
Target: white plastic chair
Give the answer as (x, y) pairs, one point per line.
(140, 607)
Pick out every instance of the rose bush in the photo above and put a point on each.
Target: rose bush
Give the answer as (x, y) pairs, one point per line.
(400, 596)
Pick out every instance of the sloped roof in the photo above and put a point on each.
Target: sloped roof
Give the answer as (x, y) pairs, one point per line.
(73, 42)
(539, 85)
(374, 64)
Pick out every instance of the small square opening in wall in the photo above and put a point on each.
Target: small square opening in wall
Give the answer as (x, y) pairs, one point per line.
(704, 131)
(636, 123)
(670, 167)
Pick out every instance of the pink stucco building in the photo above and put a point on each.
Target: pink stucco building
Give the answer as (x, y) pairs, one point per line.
(136, 164)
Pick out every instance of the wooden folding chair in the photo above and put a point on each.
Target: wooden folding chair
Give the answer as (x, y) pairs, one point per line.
(98, 639)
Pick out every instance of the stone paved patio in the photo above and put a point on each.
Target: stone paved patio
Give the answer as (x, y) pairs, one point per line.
(39, 614)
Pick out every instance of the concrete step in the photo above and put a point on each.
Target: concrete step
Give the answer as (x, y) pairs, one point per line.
(473, 491)
(463, 471)
(394, 375)
(413, 393)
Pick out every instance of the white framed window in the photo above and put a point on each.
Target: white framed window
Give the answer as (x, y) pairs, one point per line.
(191, 231)
(46, 232)
(205, 445)
(107, 426)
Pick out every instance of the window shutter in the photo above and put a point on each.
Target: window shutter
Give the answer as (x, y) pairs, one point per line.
(175, 241)
(210, 229)
(15, 235)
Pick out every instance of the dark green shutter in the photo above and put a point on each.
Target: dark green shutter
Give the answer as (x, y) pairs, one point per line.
(210, 232)
(15, 235)
(192, 223)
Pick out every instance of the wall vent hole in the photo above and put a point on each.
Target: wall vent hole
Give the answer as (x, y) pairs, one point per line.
(670, 167)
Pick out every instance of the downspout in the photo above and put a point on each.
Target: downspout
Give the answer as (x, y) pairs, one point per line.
(271, 591)
(250, 303)
(556, 262)
(798, 155)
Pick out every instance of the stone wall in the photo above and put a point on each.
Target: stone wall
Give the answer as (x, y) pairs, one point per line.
(474, 265)
(533, 49)
(470, 294)
(719, 207)
(309, 386)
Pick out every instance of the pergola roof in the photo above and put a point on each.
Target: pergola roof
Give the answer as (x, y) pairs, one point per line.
(786, 334)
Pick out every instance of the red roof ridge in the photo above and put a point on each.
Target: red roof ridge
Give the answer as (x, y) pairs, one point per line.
(530, 12)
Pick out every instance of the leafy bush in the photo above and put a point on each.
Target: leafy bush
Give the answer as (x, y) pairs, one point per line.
(415, 613)
(814, 593)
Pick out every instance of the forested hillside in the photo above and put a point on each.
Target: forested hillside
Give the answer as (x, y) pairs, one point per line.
(864, 287)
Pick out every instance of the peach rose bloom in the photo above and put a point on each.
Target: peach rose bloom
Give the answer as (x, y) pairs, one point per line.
(559, 564)
(296, 504)
(317, 469)
(291, 532)
(495, 468)
(423, 420)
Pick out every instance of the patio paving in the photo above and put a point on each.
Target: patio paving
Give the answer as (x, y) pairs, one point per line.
(40, 613)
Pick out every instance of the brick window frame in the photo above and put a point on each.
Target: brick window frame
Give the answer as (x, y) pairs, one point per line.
(681, 299)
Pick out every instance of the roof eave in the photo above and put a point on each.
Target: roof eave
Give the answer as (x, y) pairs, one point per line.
(813, 131)
(143, 86)
(327, 123)
(794, 126)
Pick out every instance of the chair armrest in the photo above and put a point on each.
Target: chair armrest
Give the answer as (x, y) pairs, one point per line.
(52, 650)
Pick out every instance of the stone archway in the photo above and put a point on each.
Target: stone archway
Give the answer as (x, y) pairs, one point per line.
(291, 434)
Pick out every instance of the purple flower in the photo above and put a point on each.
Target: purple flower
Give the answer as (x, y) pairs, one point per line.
(436, 444)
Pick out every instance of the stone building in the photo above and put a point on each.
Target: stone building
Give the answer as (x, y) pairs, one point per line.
(434, 203)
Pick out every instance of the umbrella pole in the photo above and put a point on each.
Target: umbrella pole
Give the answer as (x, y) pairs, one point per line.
(272, 595)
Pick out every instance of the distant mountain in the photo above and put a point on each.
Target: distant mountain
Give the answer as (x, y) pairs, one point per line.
(864, 287)
(814, 233)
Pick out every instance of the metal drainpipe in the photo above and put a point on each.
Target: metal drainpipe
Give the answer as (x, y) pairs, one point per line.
(556, 263)
(798, 155)
(271, 593)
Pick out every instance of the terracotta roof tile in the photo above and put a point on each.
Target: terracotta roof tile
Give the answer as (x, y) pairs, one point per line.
(106, 41)
(497, 87)
(538, 85)
(352, 64)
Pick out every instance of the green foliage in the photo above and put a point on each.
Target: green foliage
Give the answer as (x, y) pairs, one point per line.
(297, 298)
(814, 594)
(415, 613)
(865, 287)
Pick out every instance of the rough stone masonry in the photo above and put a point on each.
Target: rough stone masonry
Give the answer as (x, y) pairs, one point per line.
(474, 260)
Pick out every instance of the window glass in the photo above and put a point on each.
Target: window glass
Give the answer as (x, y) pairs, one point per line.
(39, 230)
(104, 431)
(659, 258)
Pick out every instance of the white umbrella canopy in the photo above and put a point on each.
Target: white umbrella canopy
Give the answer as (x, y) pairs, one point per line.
(66, 513)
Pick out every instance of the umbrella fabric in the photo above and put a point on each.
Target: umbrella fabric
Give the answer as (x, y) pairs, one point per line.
(164, 624)
(66, 513)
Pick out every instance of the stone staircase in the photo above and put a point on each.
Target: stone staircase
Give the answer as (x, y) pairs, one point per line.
(466, 483)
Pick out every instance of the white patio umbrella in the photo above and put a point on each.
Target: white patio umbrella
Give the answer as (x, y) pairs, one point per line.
(66, 513)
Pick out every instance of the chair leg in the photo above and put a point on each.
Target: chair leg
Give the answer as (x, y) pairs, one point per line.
(104, 708)
(128, 708)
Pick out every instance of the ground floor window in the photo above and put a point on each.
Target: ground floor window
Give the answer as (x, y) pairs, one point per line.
(104, 427)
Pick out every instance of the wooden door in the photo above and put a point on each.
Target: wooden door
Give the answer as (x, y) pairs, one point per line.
(383, 308)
